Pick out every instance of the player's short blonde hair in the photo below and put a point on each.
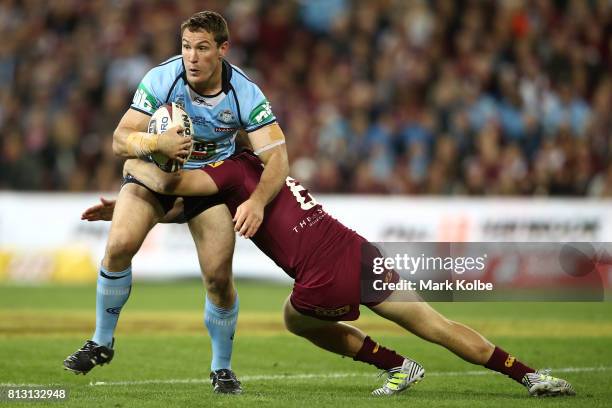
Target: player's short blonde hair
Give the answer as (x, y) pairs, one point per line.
(209, 21)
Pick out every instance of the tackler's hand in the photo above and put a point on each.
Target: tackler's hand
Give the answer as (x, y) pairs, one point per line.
(248, 218)
(100, 212)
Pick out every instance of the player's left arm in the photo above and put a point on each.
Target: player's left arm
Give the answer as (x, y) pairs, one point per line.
(104, 211)
(269, 144)
(181, 183)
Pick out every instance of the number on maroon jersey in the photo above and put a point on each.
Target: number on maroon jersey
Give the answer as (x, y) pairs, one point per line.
(306, 201)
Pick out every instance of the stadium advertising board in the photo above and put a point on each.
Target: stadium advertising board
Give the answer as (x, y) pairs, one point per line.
(43, 239)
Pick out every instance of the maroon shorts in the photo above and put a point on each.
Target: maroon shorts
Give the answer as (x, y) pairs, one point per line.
(332, 289)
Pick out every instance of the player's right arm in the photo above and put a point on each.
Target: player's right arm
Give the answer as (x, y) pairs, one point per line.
(130, 139)
(181, 183)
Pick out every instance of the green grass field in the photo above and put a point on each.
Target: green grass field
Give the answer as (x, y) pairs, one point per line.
(163, 354)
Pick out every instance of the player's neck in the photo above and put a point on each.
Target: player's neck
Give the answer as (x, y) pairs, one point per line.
(213, 85)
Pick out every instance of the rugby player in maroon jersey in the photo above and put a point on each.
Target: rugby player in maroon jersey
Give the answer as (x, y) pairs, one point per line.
(325, 259)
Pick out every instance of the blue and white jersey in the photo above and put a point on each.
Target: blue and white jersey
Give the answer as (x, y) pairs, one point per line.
(216, 118)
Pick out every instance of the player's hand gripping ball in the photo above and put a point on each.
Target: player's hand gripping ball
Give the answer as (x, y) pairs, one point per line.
(165, 117)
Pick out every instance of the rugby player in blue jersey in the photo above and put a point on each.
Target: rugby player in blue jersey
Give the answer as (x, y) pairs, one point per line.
(221, 100)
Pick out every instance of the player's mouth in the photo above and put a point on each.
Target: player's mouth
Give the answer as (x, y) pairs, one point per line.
(194, 71)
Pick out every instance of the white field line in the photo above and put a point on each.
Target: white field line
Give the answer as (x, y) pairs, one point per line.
(303, 377)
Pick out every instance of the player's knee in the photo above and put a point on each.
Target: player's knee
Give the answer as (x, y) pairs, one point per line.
(120, 248)
(219, 282)
(481, 350)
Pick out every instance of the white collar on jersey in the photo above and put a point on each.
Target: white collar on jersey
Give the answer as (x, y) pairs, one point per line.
(205, 101)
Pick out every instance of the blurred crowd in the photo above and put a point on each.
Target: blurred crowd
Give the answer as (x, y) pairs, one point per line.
(435, 97)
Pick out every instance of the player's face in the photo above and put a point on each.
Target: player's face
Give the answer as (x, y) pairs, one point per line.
(202, 57)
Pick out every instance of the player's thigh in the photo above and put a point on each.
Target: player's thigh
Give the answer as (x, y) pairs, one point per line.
(417, 317)
(297, 322)
(214, 237)
(136, 212)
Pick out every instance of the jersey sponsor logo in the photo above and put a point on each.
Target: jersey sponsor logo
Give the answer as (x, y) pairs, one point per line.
(143, 99)
(309, 220)
(225, 130)
(261, 112)
(319, 311)
(226, 116)
(202, 100)
(215, 164)
(203, 150)
(198, 100)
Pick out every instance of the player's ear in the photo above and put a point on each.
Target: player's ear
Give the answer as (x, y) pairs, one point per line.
(223, 48)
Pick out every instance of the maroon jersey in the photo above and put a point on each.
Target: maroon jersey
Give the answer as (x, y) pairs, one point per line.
(296, 232)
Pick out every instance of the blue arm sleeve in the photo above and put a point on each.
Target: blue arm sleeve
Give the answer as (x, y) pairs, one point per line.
(155, 86)
(255, 110)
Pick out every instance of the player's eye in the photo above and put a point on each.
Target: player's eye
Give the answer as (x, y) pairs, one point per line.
(185, 46)
(203, 48)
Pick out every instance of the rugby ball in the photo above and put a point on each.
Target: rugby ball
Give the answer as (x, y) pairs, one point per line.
(164, 118)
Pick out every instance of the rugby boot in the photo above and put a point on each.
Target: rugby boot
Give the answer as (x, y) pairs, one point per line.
(401, 378)
(542, 384)
(224, 381)
(89, 356)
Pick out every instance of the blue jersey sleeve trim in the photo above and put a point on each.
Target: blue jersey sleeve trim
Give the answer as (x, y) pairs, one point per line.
(243, 75)
(141, 111)
(172, 59)
(260, 126)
